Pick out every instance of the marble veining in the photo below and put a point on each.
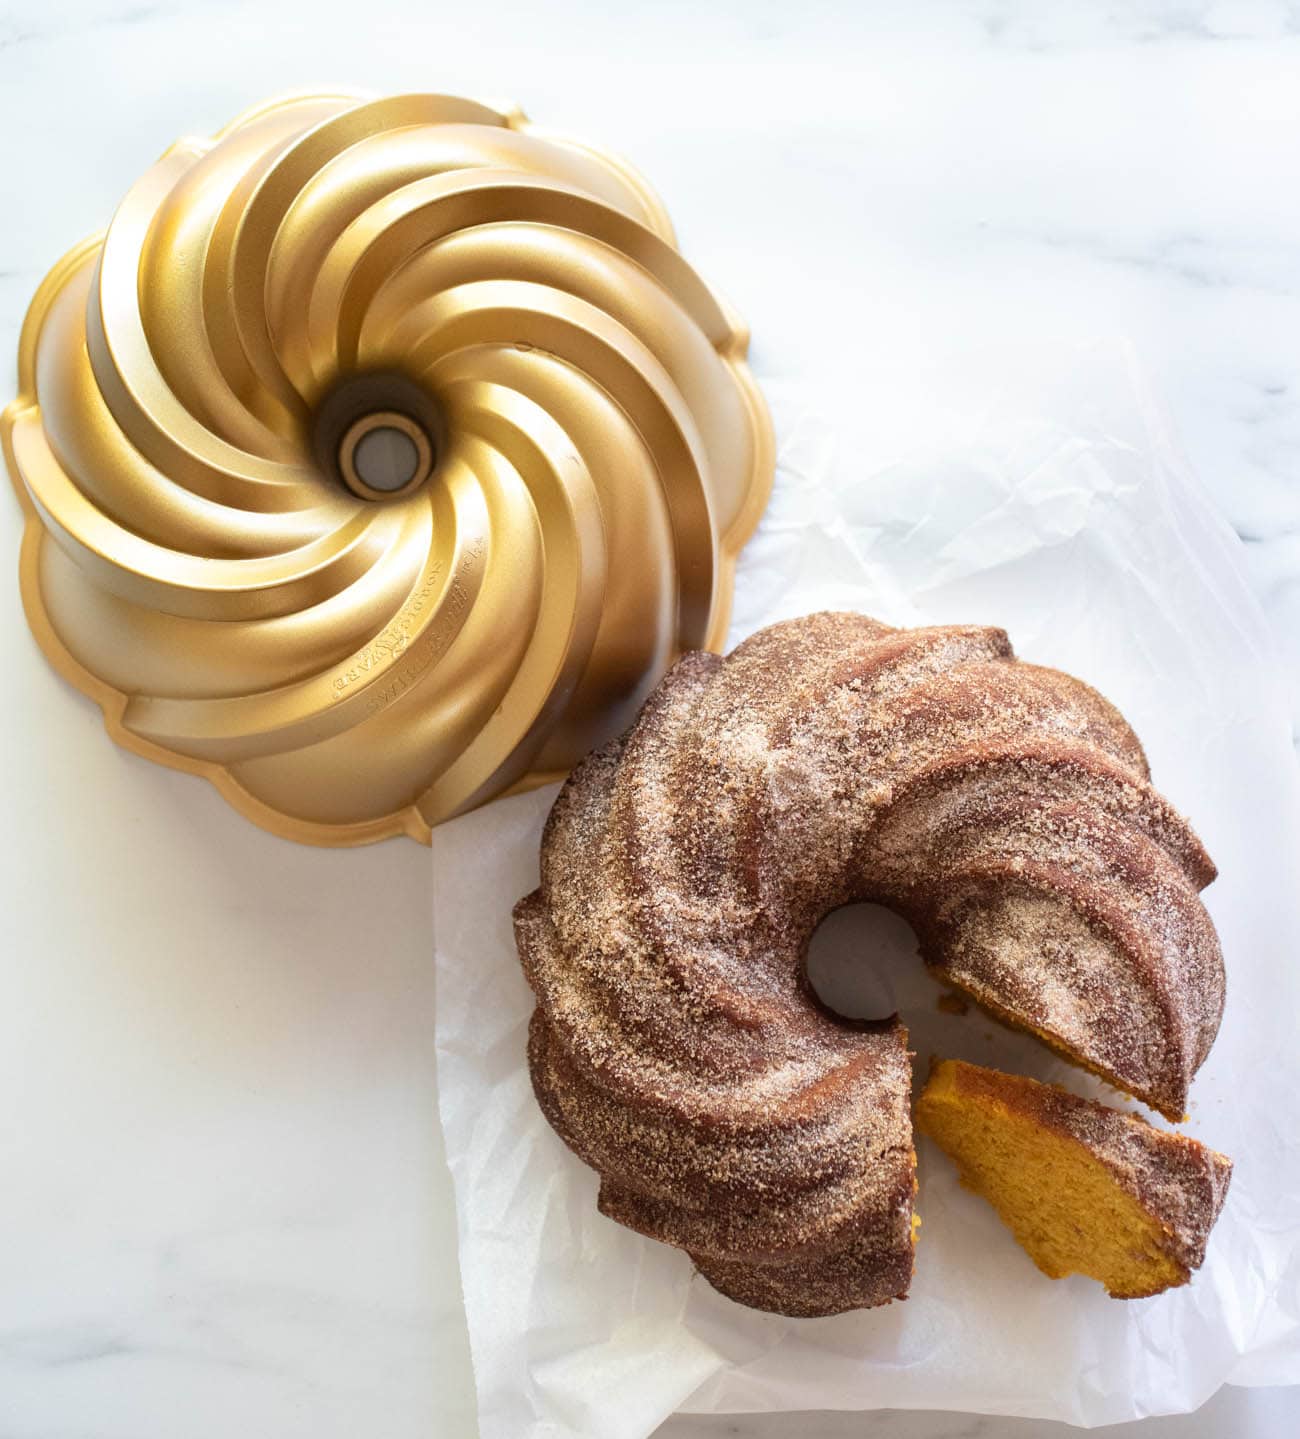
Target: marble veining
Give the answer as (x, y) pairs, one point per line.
(225, 1208)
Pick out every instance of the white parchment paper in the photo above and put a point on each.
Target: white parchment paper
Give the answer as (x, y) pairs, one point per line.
(1051, 502)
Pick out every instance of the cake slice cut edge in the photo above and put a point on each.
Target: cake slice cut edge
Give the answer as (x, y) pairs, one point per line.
(1083, 1188)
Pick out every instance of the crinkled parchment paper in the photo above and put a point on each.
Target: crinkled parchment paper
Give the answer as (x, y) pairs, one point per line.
(1052, 504)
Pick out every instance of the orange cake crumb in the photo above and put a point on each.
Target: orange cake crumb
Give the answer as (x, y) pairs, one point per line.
(1085, 1189)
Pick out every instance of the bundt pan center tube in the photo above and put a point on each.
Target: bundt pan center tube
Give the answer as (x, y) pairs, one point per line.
(1003, 809)
(379, 459)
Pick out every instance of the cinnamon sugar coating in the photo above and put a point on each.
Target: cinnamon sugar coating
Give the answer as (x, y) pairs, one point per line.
(1002, 808)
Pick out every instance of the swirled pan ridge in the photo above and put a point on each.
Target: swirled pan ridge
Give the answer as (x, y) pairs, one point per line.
(350, 660)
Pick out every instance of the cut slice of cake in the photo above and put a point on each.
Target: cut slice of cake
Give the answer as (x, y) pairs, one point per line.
(1085, 1189)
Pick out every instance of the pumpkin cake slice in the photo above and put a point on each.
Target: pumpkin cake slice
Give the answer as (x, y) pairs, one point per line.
(1085, 1189)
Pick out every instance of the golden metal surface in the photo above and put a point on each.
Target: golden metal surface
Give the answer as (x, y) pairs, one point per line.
(350, 663)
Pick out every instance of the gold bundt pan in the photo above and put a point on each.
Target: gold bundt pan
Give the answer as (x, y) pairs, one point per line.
(356, 637)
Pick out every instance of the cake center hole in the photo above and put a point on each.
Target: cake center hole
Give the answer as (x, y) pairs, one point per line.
(858, 956)
(385, 454)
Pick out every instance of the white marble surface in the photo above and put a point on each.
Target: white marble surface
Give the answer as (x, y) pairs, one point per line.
(224, 1209)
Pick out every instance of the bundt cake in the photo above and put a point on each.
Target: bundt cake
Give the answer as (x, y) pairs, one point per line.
(676, 1046)
(1084, 1188)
